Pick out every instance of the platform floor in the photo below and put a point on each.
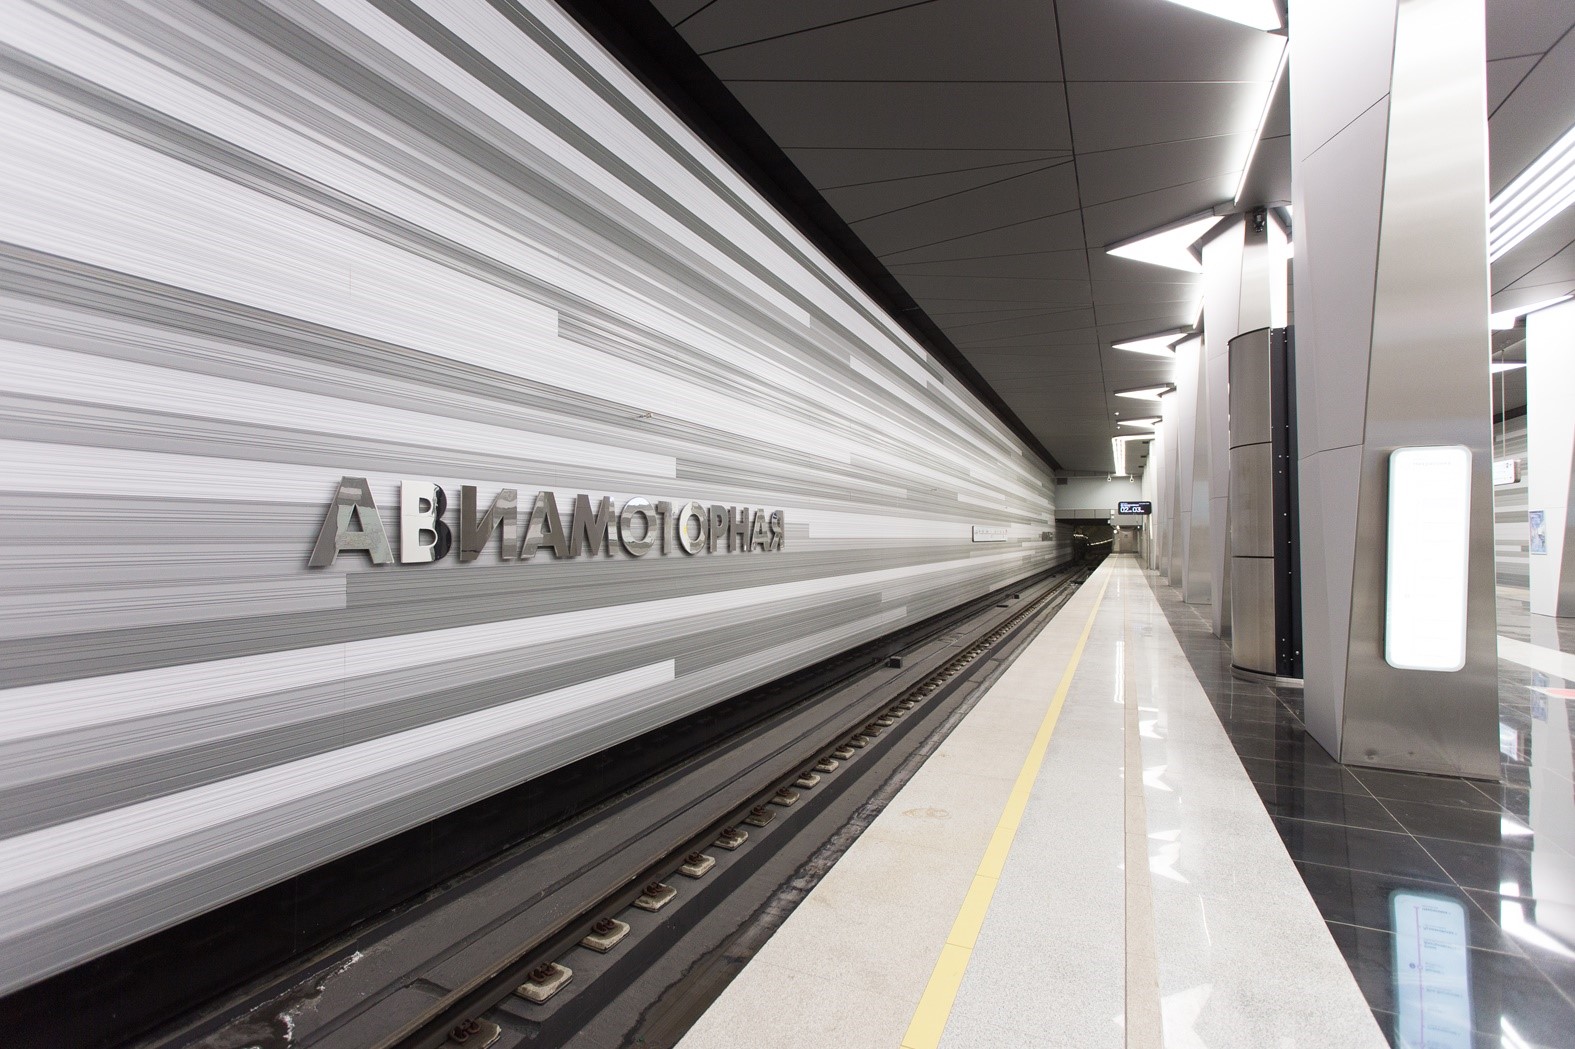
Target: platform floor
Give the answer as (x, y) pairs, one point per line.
(1085, 862)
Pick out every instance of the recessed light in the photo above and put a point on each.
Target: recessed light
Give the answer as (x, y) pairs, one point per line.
(1154, 345)
(1168, 247)
(1148, 393)
(1258, 14)
(1263, 118)
(1505, 319)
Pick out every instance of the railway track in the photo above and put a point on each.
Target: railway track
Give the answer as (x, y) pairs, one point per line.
(620, 926)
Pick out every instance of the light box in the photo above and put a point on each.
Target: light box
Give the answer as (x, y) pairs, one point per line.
(1429, 534)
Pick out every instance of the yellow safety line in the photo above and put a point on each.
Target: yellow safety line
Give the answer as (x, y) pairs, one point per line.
(929, 1018)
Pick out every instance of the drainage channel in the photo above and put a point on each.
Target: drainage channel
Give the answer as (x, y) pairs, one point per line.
(451, 969)
(639, 969)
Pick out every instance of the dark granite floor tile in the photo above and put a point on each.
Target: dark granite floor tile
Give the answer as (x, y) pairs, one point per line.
(1267, 770)
(1433, 790)
(1326, 806)
(1481, 866)
(1380, 852)
(1447, 821)
(1542, 930)
(1508, 994)
(1362, 898)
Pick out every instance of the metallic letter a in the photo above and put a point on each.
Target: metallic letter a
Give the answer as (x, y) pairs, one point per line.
(353, 500)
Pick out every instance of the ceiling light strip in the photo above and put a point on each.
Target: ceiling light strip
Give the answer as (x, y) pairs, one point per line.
(1537, 194)
(1263, 121)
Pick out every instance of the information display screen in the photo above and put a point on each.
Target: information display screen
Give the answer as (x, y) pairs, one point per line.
(1139, 506)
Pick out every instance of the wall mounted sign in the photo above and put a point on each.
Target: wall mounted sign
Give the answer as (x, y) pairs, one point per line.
(1538, 522)
(1135, 506)
(1505, 471)
(353, 523)
(1429, 538)
(991, 533)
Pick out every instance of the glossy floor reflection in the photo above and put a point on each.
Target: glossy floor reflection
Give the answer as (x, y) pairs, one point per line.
(1493, 862)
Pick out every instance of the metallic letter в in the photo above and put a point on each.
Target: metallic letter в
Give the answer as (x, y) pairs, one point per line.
(716, 526)
(590, 528)
(544, 526)
(778, 526)
(352, 500)
(474, 532)
(638, 546)
(415, 522)
(759, 535)
(690, 544)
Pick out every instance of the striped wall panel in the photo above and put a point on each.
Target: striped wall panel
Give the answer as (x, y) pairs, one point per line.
(249, 249)
(1511, 534)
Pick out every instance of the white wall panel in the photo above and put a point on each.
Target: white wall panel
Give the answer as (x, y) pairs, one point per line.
(246, 250)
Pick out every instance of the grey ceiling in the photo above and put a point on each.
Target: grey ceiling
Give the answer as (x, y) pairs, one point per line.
(988, 151)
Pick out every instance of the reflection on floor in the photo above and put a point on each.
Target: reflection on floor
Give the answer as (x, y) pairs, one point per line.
(1505, 852)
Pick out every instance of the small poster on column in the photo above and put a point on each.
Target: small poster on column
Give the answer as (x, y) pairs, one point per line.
(1539, 531)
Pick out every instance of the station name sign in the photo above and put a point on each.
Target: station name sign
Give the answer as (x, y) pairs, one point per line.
(1136, 506)
(353, 523)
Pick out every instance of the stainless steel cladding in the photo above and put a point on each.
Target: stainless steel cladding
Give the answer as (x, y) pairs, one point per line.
(1264, 575)
(462, 255)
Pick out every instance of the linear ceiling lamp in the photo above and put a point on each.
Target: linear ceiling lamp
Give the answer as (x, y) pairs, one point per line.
(1505, 319)
(1152, 420)
(1263, 119)
(1118, 448)
(1170, 247)
(1504, 366)
(1148, 393)
(1158, 345)
(1259, 14)
(1537, 194)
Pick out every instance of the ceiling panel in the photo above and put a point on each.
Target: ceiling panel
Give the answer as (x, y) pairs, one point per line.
(1119, 115)
(908, 115)
(1526, 27)
(1025, 196)
(900, 45)
(1118, 173)
(871, 197)
(1061, 229)
(1504, 75)
(942, 134)
(1145, 40)
(1065, 263)
(1123, 219)
(728, 23)
(831, 168)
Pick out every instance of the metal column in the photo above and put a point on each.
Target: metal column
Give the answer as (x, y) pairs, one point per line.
(1266, 636)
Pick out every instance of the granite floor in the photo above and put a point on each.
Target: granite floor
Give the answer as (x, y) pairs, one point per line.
(1496, 858)
(1083, 863)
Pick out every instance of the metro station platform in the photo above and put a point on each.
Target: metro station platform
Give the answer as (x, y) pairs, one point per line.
(1124, 846)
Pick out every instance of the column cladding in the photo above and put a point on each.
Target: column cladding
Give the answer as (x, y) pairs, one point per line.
(1388, 138)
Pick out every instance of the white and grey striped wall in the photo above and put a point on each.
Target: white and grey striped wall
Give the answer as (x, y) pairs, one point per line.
(249, 249)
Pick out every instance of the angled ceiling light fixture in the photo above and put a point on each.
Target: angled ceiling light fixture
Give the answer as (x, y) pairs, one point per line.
(1505, 319)
(1170, 246)
(1537, 194)
(1259, 14)
(1263, 119)
(1158, 345)
(1504, 366)
(1152, 420)
(1118, 448)
(1147, 393)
